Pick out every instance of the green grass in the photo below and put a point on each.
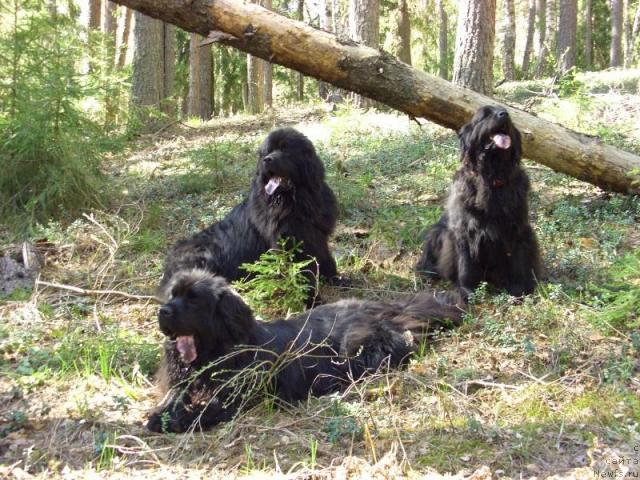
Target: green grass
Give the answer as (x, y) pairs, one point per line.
(552, 374)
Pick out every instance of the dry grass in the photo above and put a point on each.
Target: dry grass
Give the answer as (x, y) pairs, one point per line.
(521, 390)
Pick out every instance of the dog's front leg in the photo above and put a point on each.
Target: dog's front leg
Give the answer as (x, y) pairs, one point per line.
(469, 271)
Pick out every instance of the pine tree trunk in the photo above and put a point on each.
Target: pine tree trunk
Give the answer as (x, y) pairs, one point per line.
(616, 33)
(124, 41)
(169, 69)
(541, 12)
(147, 83)
(199, 101)
(567, 27)
(528, 46)
(443, 63)
(268, 69)
(403, 29)
(255, 82)
(300, 85)
(509, 41)
(635, 28)
(95, 14)
(588, 42)
(550, 38)
(384, 78)
(364, 18)
(473, 65)
(326, 24)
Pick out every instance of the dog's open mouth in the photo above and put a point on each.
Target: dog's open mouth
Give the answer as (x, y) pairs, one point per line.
(501, 140)
(273, 184)
(186, 346)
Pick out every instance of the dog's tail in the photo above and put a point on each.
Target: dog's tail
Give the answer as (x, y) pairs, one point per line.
(428, 313)
(391, 338)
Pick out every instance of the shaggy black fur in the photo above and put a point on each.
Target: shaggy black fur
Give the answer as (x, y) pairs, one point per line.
(218, 357)
(484, 233)
(289, 199)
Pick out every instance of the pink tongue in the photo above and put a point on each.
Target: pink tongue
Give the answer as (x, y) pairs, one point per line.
(273, 184)
(187, 348)
(502, 141)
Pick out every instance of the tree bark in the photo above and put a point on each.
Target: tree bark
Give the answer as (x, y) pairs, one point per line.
(300, 87)
(403, 29)
(634, 35)
(528, 46)
(473, 65)
(588, 42)
(509, 41)
(124, 41)
(364, 27)
(95, 11)
(255, 81)
(443, 54)
(616, 33)
(168, 68)
(550, 37)
(541, 12)
(381, 76)
(200, 103)
(567, 30)
(268, 70)
(147, 83)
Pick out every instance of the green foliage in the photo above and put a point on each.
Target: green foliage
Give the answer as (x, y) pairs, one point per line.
(617, 301)
(49, 147)
(276, 283)
(342, 422)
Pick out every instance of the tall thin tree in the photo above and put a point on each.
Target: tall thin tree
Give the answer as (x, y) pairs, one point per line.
(300, 85)
(509, 41)
(475, 36)
(124, 39)
(528, 46)
(443, 32)
(617, 15)
(550, 38)
(268, 69)
(403, 29)
(150, 83)
(95, 14)
(541, 12)
(364, 27)
(588, 35)
(567, 30)
(200, 103)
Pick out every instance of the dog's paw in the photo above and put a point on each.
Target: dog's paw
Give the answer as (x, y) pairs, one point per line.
(154, 424)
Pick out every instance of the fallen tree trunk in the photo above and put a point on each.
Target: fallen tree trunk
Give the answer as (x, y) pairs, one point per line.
(382, 77)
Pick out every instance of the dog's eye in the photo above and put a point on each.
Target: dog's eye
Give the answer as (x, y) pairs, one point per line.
(191, 296)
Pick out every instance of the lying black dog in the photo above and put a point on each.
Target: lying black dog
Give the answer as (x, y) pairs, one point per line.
(218, 357)
(484, 233)
(289, 199)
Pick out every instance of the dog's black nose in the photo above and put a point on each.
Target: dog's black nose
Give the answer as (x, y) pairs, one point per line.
(164, 312)
(502, 113)
(267, 159)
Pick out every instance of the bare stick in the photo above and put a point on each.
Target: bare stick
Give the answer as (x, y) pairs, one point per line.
(84, 291)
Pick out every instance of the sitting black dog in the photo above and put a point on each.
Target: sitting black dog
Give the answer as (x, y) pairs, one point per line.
(218, 357)
(289, 200)
(484, 233)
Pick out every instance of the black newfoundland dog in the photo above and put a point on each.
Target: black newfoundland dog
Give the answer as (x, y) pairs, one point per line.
(484, 233)
(217, 357)
(289, 199)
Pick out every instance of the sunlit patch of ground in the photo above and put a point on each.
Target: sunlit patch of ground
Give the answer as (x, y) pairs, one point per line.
(547, 387)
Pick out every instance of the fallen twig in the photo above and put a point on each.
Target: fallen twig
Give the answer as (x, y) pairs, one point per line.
(84, 291)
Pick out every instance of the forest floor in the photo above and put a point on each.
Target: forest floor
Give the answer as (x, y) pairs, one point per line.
(547, 387)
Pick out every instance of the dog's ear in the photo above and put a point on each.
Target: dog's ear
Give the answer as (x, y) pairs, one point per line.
(464, 135)
(517, 145)
(235, 315)
(312, 168)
